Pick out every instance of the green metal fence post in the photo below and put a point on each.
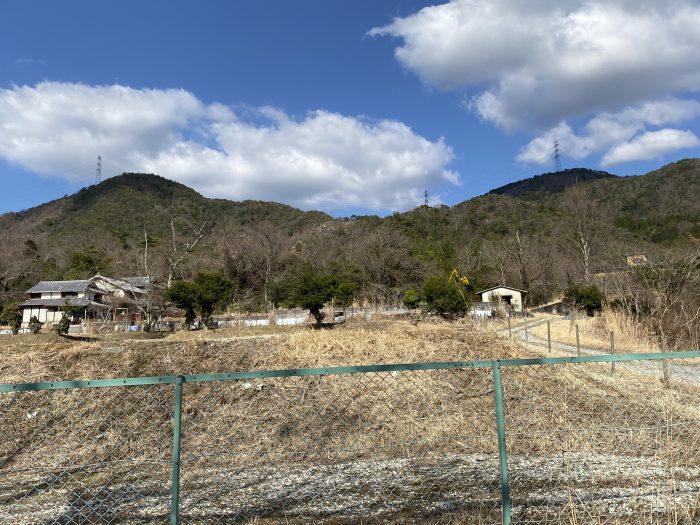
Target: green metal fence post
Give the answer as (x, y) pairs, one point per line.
(612, 350)
(502, 453)
(177, 421)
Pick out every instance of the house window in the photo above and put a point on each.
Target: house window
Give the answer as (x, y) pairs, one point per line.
(69, 294)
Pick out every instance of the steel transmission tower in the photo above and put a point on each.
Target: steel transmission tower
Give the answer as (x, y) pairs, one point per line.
(98, 171)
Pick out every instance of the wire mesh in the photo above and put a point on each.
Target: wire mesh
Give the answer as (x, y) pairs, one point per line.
(604, 442)
(382, 447)
(86, 456)
(587, 442)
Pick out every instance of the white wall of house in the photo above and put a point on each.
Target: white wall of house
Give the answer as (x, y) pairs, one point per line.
(63, 295)
(44, 314)
(515, 296)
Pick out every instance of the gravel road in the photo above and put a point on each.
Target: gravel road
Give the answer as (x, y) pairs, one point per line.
(453, 489)
(687, 371)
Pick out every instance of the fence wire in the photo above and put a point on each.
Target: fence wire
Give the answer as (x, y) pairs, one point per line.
(604, 442)
(86, 456)
(366, 448)
(613, 442)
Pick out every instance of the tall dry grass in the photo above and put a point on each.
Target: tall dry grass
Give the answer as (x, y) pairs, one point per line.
(630, 335)
(49, 359)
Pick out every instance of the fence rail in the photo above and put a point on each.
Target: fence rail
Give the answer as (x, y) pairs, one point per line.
(598, 438)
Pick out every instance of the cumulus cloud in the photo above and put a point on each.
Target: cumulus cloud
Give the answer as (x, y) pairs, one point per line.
(531, 65)
(322, 159)
(650, 145)
(52, 127)
(607, 131)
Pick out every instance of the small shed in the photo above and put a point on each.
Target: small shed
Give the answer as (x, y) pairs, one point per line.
(513, 297)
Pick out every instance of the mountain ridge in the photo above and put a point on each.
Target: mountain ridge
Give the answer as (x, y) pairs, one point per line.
(553, 182)
(111, 223)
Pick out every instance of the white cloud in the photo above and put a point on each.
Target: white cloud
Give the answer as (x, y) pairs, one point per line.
(53, 127)
(609, 130)
(650, 145)
(530, 65)
(321, 160)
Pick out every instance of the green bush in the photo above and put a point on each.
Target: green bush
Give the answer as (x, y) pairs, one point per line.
(11, 316)
(312, 290)
(411, 299)
(203, 294)
(35, 325)
(63, 325)
(588, 298)
(446, 296)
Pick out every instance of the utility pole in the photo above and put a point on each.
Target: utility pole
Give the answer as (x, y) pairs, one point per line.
(557, 156)
(98, 171)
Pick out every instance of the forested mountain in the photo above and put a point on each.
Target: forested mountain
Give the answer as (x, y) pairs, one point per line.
(554, 182)
(538, 234)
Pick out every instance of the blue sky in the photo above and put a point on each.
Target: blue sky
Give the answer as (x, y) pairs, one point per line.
(349, 107)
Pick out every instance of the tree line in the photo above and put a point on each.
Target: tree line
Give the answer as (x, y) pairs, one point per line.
(543, 243)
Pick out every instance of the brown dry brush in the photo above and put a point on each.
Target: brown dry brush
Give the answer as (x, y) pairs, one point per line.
(664, 295)
(327, 420)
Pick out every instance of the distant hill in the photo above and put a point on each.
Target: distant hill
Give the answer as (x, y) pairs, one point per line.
(554, 182)
(124, 205)
(661, 206)
(255, 242)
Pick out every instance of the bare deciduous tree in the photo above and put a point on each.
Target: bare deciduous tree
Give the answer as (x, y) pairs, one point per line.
(253, 256)
(384, 255)
(664, 293)
(582, 226)
(11, 260)
(181, 248)
(531, 257)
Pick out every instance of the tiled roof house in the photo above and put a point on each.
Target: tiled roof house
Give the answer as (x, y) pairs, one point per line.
(47, 299)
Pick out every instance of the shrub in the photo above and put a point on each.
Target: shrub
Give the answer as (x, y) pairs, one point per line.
(63, 325)
(312, 290)
(411, 299)
(35, 325)
(202, 295)
(447, 296)
(588, 298)
(10, 315)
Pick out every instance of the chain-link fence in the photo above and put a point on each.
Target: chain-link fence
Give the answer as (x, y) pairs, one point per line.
(604, 442)
(75, 456)
(593, 439)
(355, 447)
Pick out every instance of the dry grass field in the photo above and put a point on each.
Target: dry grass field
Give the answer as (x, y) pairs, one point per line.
(594, 332)
(46, 357)
(587, 443)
